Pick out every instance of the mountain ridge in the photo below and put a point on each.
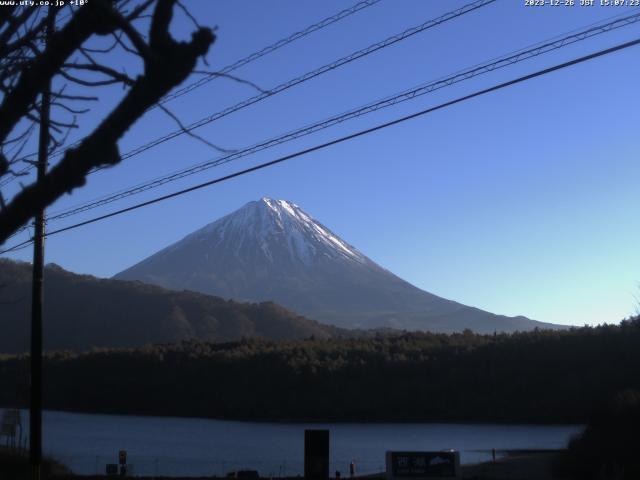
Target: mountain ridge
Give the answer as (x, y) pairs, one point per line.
(273, 250)
(84, 312)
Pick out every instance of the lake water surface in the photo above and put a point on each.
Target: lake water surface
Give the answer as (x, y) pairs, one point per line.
(192, 446)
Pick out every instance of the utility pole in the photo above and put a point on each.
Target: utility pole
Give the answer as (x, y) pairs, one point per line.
(35, 413)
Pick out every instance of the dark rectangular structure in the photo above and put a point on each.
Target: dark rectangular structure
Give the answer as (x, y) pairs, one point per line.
(112, 469)
(316, 454)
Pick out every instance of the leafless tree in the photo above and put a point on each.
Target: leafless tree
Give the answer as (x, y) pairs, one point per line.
(30, 58)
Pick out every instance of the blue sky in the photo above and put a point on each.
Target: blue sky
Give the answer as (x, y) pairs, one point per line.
(521, 202)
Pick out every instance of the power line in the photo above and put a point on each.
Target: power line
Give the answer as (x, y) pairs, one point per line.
(407, 95)
(308, 76)
(233, 66)
(345, 138)
(19, 246)
(312, 74)
(271, 48)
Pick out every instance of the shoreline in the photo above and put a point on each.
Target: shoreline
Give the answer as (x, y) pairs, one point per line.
(516, 464)
(25, 410)
(529, 464)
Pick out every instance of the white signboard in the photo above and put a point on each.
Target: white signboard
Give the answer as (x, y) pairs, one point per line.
(423, 465)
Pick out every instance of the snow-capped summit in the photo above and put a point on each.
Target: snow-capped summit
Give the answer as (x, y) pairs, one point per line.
(271, 224)
(273, 250)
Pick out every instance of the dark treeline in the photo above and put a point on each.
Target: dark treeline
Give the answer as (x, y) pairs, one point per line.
(608, 447)
(539, 376)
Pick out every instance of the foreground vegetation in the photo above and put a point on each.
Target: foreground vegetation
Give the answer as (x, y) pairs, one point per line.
(15, 466)
(540, 376)
(608, 448)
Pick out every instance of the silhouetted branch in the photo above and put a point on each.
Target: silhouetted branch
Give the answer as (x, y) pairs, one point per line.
(167, 63)
(190, 132)
(232, 77)
(116, 76)
(88, 20)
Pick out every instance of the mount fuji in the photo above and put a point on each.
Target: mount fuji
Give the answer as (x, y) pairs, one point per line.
(273, 250)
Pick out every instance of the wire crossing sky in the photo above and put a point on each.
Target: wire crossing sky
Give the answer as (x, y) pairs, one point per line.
(233, 66)
(522, 202)
(372, 107)
(209, 183)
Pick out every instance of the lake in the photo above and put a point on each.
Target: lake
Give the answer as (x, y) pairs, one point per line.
(193, 446)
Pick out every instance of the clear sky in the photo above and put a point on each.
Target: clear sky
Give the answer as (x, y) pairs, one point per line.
(521, 202)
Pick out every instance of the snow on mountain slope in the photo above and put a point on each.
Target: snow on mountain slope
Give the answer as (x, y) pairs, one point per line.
(269, 220)
(273, 250)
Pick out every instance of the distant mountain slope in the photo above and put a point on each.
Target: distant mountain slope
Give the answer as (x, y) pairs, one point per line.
(273, 250)
(82, 311)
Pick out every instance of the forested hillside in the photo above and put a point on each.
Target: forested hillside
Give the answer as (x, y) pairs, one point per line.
(539, 376)
(82, 312)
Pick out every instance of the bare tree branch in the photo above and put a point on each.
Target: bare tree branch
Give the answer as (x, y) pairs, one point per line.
(87, 21)
(139, 10)
(232, 77)
(94, 67)
(190, 133)
(14, 25)
(8, 48)
(69, 109)
(88, 83)
(80, 98)
(188, 14)
(133, 35)
(167, 63)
